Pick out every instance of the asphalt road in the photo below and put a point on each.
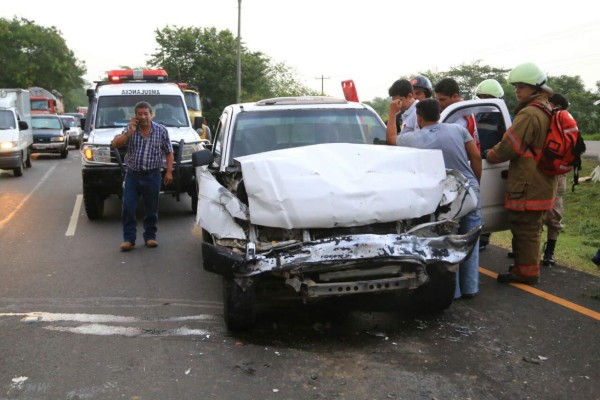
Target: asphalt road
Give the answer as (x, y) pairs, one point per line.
(81, 320)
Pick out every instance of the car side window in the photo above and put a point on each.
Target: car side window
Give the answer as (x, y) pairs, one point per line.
(491, 127)
(218, 140)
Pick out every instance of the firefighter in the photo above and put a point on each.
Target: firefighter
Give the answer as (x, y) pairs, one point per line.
(530, 192)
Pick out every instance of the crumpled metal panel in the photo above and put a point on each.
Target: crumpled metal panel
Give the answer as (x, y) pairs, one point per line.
(342, 184)
(217, 208)
(338, 253)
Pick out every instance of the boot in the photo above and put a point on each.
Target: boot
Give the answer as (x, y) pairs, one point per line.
(548, 259)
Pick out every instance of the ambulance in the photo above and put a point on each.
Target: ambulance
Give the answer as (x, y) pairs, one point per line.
(111, 106)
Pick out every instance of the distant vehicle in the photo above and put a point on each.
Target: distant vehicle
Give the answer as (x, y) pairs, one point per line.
(195, 105)
(16, 136)
(50, 135)
(46, 102)
(75, 132)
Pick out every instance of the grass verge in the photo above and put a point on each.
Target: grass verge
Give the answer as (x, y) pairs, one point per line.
(580, 237)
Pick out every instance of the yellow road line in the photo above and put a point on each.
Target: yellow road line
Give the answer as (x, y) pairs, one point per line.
(548, 296)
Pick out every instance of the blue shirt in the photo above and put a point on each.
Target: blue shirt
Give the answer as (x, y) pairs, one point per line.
(146, 153)
(451, 139)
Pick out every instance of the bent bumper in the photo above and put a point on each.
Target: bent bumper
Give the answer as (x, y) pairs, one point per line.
(347, 264)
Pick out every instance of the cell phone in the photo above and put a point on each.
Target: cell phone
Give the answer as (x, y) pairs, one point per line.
(137, 121)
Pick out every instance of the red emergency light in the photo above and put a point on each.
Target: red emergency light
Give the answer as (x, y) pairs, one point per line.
(123, 75)
(183, 86)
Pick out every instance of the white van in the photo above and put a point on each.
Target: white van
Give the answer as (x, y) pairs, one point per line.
(16, 136)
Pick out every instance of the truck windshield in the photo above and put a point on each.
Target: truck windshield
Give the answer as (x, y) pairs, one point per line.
(257, 132)
(40, 105)
(7, 120)
(116, 111)
(192, 101)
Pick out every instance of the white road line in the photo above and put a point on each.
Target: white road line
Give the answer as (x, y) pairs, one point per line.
(96, 324)
(18, 207)
(74, 217)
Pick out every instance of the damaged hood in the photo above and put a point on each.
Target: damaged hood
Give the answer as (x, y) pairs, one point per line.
(342, 185)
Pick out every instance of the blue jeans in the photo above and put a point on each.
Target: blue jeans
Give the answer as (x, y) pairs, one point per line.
(467, 277)
(147, 186)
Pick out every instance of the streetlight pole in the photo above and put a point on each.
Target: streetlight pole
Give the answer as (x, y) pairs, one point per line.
(239, 57)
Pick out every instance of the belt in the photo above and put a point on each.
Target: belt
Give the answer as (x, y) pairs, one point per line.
(144, 172)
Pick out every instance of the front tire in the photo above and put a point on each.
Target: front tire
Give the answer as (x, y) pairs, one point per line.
(194, 196)
(93, 203)
(239, 305)
(28, 159)
(437, 294)
(19, 170)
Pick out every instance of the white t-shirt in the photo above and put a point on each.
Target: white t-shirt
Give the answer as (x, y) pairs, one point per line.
(409, 119)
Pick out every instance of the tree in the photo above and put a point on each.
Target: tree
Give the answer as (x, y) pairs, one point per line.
(32, 55)
(207, 58)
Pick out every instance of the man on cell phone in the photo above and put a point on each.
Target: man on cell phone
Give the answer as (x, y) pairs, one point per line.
(147, 142)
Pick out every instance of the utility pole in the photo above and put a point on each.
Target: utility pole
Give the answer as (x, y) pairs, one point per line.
(239, 56)
(322, 78)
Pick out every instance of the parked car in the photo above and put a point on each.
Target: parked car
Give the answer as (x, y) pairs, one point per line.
(75, 132)
(50, 135)
(295, 198)
(80, 118)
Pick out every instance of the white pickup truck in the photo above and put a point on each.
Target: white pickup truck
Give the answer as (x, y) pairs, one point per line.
(295, 197)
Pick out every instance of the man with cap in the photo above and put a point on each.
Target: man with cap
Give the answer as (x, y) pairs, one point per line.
(421, 87)
(529, 192)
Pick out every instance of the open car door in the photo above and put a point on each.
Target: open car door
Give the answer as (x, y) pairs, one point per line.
(493, 120)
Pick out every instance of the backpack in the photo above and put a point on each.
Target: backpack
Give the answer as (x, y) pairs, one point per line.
(563, 145)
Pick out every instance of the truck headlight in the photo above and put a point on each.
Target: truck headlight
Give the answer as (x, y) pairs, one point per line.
(8, 145)
(57, 139)
(96, 153)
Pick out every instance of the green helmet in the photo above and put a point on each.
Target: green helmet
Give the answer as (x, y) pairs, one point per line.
(528, 73)
(491, 87)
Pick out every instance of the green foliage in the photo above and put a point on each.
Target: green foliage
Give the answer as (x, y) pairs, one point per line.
(207, 59)
(32, 55)
(381, 106)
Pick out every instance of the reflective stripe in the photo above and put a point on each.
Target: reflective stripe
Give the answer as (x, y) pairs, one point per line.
(534, 205)
(528, 270)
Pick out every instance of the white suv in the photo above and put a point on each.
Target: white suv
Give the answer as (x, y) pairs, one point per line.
(294, 192)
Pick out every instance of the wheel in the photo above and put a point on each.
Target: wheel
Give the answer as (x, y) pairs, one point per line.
(28, 159)
(239, 305)
(93, 203)
(194, 196)
(438, 293)
(64, 152)
(19, 170)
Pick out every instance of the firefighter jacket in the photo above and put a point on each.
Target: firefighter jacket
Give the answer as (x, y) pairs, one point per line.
(527, 187)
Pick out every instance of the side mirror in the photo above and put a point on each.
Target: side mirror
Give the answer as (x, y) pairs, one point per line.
(23, 125)
(202, 157)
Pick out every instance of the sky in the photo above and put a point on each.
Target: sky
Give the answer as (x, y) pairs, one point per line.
(328, 41)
